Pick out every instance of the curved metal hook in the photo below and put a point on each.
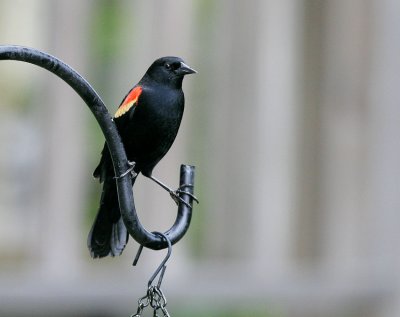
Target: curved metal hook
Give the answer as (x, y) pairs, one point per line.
(161, 268)
(107, 125)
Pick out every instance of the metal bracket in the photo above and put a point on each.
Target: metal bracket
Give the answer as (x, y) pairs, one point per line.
(121, 164)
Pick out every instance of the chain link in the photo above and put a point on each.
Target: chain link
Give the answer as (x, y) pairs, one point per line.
(154, 298)
(142, 304)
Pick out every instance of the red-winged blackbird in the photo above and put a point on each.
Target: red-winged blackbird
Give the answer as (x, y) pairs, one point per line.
(148, 120)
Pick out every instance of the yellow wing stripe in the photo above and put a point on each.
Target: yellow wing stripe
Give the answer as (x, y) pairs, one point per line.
(130, 101)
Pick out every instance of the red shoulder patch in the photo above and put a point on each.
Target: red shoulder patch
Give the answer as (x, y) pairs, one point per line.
(129, 101)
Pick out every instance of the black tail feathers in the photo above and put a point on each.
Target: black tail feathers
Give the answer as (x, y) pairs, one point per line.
(108, 235)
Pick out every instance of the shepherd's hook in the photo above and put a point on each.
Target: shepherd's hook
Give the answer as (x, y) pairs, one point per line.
(118, 155)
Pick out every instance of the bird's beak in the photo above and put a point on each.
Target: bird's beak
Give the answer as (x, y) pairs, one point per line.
(185, 69)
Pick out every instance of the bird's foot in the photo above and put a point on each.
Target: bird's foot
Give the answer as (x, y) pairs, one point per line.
(129, 170)
(177, 198)
(176, 194)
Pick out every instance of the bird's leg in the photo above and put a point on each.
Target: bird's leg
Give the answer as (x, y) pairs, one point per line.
(175, 193)
(129, 170)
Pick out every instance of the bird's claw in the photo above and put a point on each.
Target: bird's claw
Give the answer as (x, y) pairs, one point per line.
(177, 198)
(180, 191)
(129, 170)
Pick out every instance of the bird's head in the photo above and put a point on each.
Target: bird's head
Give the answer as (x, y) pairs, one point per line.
(170, 71)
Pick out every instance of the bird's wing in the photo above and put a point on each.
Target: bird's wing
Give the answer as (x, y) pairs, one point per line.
(130, 100)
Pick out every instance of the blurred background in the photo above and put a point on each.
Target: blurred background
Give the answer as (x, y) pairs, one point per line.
(292, 122)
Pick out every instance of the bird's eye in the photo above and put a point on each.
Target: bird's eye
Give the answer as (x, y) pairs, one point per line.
(168, 66)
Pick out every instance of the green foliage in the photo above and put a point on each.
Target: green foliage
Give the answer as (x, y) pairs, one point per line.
(106, 24)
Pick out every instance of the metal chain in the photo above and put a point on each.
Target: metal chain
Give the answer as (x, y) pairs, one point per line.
(154, 298)
(159, 302)
(142, 304)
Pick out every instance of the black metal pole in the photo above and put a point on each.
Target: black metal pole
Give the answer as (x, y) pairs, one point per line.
(107, 125)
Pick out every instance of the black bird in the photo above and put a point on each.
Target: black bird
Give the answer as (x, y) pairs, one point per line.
(148, 120)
